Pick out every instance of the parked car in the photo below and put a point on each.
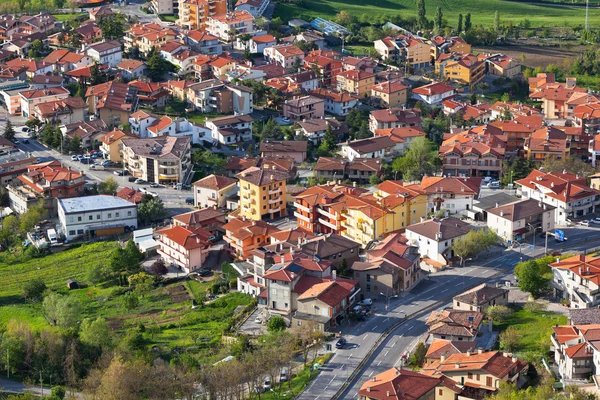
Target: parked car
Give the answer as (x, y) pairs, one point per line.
(86, 161)
(155, 185)
(140, 181)
(283, 376)
(366, 302)
(595, 221)
(132, 179)
(494, 185)
(107, 163)
(258, 320)
(556, 253)
(585, 222)
(79, 157)
(189, 200)
(341, 343)
(97, 167)
(267, 385)
(357, 309)
(74, 158)
(25, 129)
(204, 272)
(26, 141)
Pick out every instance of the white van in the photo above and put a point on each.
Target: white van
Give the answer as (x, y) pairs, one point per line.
(97, 167)
(52, 236)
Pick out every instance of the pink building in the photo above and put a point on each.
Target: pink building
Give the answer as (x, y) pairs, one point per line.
(307, 107)
(184, 248)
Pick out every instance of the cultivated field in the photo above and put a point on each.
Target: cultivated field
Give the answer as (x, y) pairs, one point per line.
(535, 56)
(482, 12)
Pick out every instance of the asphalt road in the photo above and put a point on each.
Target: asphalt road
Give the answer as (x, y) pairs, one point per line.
(438, 289)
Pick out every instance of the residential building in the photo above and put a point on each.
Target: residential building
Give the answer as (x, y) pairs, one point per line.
(165, 7)
(360, 170)
(336, 103)
(517, 132)
(355, 81)
(46, 181)
(90, 33)
(145, 125)
(238, 164)
(112, 102)
(288, 56)
(503, 65)
(259, 43)
(402, 137)
(547, 142)
(163, 160)
(452, 324)
(284, 149)
(10, 93)
(394, 118)
(404, 48)
(306, 80)
(594, 149)
(308, 36)
(208, 218)
(112, 147)
(130, 194)
(89, 133)
(145, 37)
(328, 67)
(319, 209)
(231, 129)
(254, 7)
(333, 248)
(314, 129)
(194, 14)
(472, 153)
(433, 93)
(31, 98)
(465, 69)
(214, 190)
(106, 52)
(483, 204)
(13, 164)
(390, 94)
(577, 279)
(556, 97)
(245, 235)
(575, 351)
(391, 268)
(366, 64)
(33, 67)
(444, 348)
(568, 193)
(66, 111)
(453, 195)
(65, 60)
(307, 107)
(588, 117)
(262, 193)
(514, 222)
(98, 13)
(455, 44)
(132, 69)
(150, 94)
(183, 248)
(95, 216)
(220, 25)
(434, 238)
(203, 42)
(481, 298)
(375, 147)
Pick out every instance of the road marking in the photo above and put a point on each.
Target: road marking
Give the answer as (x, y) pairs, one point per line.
(445, 290)
(386, 353)
(332, 380)
(409, 328)
(429, 298)
(375, 327)
(387, 319)
(350, 355)
(379, 363)
(365, 337)
(371, 373)
(342, 367)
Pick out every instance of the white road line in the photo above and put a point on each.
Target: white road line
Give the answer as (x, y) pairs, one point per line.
(350, 355)
(332, 380)
(371, 373)
(379, 363)
(342, 367)
(445, 290)
(375, 327)
(365, 337)
(386, 353)
(410, 328)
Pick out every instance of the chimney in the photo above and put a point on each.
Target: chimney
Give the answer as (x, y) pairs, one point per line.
(387, 393)
(354, 184)
(374, 379)
(504, 354)
(479, 351)
(469, 353)
(514, 359)
(334, 275)
(497, 205)
(282, 259)
(457, 365)
(442, 358)
(368, 388)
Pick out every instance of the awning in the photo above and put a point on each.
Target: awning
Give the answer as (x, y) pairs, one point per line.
(521, 230)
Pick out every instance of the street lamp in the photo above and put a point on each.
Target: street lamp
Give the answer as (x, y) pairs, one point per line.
(534, 231)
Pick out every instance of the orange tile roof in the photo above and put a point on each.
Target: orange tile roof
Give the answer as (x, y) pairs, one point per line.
(234, 17)
(186, 238)
(433, 89)
(398, 384)
(564, 187)
(215, 182)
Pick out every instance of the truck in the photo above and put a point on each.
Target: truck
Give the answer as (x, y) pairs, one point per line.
(52, 236)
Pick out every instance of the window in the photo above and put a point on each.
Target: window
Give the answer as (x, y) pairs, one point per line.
(488, 381)
(109, 215)
(129, 213)
(98, 216)
(440, 392)
(458, 304)
(470, 375)
(78, 219)
(116, 215)
(368, 288)
(478, 376)
(71, 233)
(80, 231)
(368, 278)
(91, 217)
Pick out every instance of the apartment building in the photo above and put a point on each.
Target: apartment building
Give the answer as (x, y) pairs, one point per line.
(516, 221)
(165, 7)
(112, 102)
(13, 164)
(328, 67)
(307, 107)
(314, 129)
(162, 160)
(202, 42)
(453, 195)
(148, 36)
(333, 248)
(111, 147)
(64, 112)
(481, 298)
(254, 7)
(193, 14)
(402, 137)
(503, 65)
(587, 116)
(576, 279)
(414, 386)
(390, 94)
(319, 210)
(379, 147)
(576, 351)
(433, 93)
(394, 118)
(183, 248)
(245, 235)
(472, 155)
(287, 56)
(231, 129)
(568, 193)
(239, 164)
(404, 48)
(33, 97)
(221, 25)
(465, 69)
(262, 193)
(355, 81)
(105, 52)
(547, 142)
(214, 190)
(336, 103)
(557, 98)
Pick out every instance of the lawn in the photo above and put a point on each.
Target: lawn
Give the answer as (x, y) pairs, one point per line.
(168, 18)
(534, 328)
(67, 17)
(200, 118)
(482, 12)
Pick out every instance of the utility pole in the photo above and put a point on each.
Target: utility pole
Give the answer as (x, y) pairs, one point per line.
(41, 383)
(7, 364)
(587, 5)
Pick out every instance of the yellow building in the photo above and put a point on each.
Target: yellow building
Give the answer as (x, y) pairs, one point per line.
(466, 69)
(355, 81)
(391, 94)
(194, 13)
(262, 193)
(111, 146)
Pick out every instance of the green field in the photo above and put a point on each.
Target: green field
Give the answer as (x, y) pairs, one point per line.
(482, 12)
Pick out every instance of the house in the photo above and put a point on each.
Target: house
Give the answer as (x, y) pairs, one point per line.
(10, 93)
(203, 42)
(394, 118)
(220, 25)
(465, 69)
(517, 131)
(452, 324)
(307, 107)
(214, 190)
(89, 133)
(390, 94)
(47, 181)
(392, 267)
(284, 148)
(150, 94)
(472, 154)
(145, 37)
(130, 194)
(355, 81)
(453, 195)
(433, 93)
(262, 193)
(33, 67)
(288, 56)
(314, 129)
(361, 169)
(194, 14)
(132, 69)
(65, 111)
(311, 37)
(112, 102)
(65, 60)
(98, 13)
(404, 48)
(105, 52)
(547, 142)
(588, 117)
(375, 147)
(480, 298)
(95, 216)
(480, 373)
(555, 97)
(577, 279)
(254, 7)
(568, 193)
(442, 45)
(231, 129)
(503, 65)
(483, 204)
(271, 70)
(403, 384)
(307, 80)
(336, 103)
(31, 98)
(46, 81)
(513, 222)
(402, 137)
(328, 67)
(13, 164)
(208, 218)
(434, 238)
(162, 160)
(575, 350)
(333, 248)
(89, 32)
(182, 248)
(235, 165)
(259, 43)
(244, 235)
(444, 348)
(366, 64)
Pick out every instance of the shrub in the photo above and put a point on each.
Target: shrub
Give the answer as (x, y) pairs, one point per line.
(509, 339)
(159, 267)
(499, 313)
(276, 324)
(33, 290)
(535, 306)
(57, 393)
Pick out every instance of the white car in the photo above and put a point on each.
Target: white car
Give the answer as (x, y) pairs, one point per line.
(585, 223)
(74, 158)
(366, 302)
(267, 385)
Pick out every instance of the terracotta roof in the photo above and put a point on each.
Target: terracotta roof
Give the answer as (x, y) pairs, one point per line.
(37, 93)
(283, 146)
(355, 75)
(493, 362)
(234, 17)
(287, 50)
(481, 294)
(200, 36)
(441, 347)
(580, 350)
(272, 70)
(64, 106)
(333, 96)
(389, 87)
(199, 216)
(586, 267)
(113, 95)
(47, 79)
(132, 195)
(400, 115)
(215, 182)
(62, 56)
(104, 46)
(242, 230)
(433, 89)
(52, 171)
(398, 135)
(369, 145)
(162, 148)
(186, 238)
(330, 293)
(564, 187)
(130, 65)
(266, 38)
(398, 384)
(260, 176)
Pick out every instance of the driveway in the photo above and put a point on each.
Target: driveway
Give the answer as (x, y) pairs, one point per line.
(251, 327)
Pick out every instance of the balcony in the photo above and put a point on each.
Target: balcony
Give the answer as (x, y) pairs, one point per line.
(301, 207)
(325, 213)
(274, 210)
(302, 217)
(328, 224)
(276, 191)
(275, 201)
(168, 176)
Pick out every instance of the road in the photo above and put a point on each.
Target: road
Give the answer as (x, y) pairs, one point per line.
(437, 290)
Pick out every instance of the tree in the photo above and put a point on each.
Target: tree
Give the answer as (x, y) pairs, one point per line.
(468, 22)
(34, 289)
(75, 145)
(276, 324)
(109, 186)
(418, 357)
(343, 18)
(141, 283)
(509, 339)
(460, 23)
(35, 49)
(32, 217)
(156, 66)
(130, 301)
(420, 159)
(95, 274)
(159, 268)
(473, 99)
(499, 313)
(568, 163)
(272, 130)
(374, 180)
(96, 332)
(474, 242)
(9, 131)
(62, 311)
(150, 209)
(533, 277)
(421, 14)
(439, 16)
(57, 393)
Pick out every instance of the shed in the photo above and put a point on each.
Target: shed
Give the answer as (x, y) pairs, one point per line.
(72, 284)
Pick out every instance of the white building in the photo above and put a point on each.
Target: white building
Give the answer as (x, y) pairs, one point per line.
(214, 190)
(106, 52)
(515, 221)
(576, 278)
(375, 147)
(284, 55)
(434, 238)
(450, 194)
(33, 97)
(433, 94)
(147, 125)
(221, 25)
(231, 129)
(576, 351)
(254, 7)
(96, 216)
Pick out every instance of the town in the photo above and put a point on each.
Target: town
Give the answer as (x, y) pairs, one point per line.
(203, 199)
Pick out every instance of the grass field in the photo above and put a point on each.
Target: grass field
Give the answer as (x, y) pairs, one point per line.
(67, 17)
(482, 12)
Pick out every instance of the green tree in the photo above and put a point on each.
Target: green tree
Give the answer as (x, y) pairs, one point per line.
(141, 283)
(420, 159)
(567, 163)
(421, 14)
(374, 180)
(96, 332)
(497, 21)
(156, 66)
(95, 274)
(418, 357)
(499, 313)
(75, 145)
(272, 130)
(509, 339)
(57, 393)
(468, 22)
(534, 277)
(62, 311)
(460, 23)
(9, 131)
(473, 243)
(276, 324)
(33, 290)
(36, 48)
(473, 99)
(439, 20)
(109, 186)
(130, 301)
(32, 217)
(151, 209)
(343, 18)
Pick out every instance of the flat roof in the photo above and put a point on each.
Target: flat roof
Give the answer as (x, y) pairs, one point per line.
(93, 203)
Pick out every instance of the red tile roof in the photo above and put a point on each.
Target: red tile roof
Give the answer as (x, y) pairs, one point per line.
(215, 182)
